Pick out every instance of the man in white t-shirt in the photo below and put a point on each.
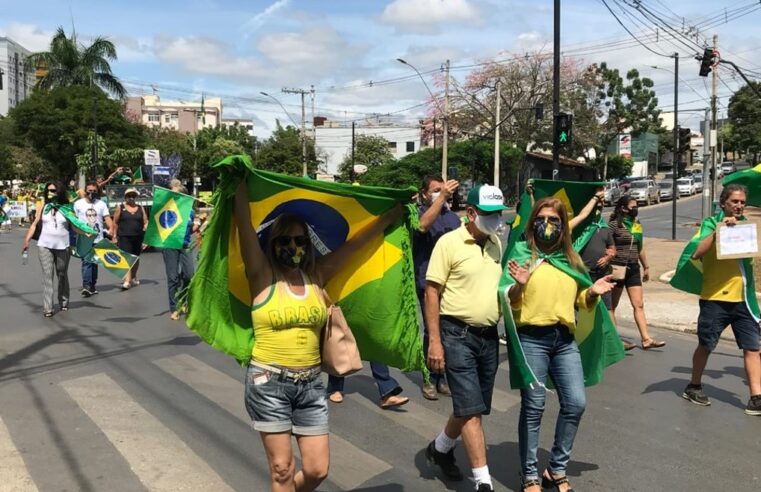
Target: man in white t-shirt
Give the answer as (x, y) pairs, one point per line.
(95, 212)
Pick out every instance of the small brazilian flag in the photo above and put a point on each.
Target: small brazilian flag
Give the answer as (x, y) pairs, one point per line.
(170, 218)
(137, 176)
(112, 258)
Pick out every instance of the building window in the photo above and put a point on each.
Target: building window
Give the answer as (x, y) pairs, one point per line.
(410, 146)
(166, 118)
(392, 146)
(154, 118)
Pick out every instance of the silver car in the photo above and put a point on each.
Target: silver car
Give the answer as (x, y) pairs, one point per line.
(612, 192)
(666, 190)
(644, 191)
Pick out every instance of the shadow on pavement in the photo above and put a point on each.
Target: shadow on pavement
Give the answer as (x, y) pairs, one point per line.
(677, 385)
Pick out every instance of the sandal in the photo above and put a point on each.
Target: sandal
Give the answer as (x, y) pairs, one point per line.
(393, 401)
(49, 314)
(526, 484)
(651, 343)
(552, 481)
(336, 397)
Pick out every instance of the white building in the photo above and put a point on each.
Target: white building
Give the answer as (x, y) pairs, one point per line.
(242, 122)
(17, 83)
(182, 116)
(333, 141)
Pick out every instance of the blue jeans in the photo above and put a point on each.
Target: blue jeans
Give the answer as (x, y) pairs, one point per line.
(387, 385)
(550, 350)
(89, 275)
(436, 378)
(179, 270)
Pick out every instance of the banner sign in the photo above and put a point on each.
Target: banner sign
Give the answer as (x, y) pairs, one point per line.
(17, 210)
(152, 157)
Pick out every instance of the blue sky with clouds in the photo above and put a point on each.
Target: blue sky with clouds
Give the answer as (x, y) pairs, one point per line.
(238, 48)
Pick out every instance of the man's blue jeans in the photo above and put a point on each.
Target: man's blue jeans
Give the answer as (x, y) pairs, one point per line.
(387, 385)
(550, 350)
(179, 270)
(89, 275)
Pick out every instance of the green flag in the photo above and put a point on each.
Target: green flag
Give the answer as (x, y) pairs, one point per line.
(751, 179)
(83, 248)
(170, 216)
(137, 176)
(574, 195)
(113, 259)
(689, 272)
(635, 229)
(376, 288)
(67, 211)
(595, 333)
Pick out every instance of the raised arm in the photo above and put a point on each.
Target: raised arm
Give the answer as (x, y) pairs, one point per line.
(254, 259)
(430, 215)
(588, 208)
(331, 263)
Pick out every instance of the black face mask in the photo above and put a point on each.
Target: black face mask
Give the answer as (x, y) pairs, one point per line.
(289, 256)
(92, 195)
(632, 213)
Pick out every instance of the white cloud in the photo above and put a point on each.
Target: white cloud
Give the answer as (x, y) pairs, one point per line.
(29, 36)
(259, 19)
(427, 15)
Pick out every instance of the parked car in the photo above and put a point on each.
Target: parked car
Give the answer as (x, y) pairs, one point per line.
(698, 180)
(644, 191)
(685, 186)
(612, 192)
(666, 190)
(728, 168)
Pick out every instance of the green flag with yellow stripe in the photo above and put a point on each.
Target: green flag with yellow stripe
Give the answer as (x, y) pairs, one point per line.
(110, 257)
(170, 216)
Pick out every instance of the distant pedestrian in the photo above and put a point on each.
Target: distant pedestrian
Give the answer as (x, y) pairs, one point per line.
(178, 262)
(130, 221)
(388, 387)
(461, 313)
(93, 211)
(724, 300)
(628, 237)
(53, 244)
(436, 219)
(543, 302)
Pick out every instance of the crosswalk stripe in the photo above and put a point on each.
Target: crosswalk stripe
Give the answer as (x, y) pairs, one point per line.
(14, 475)
(159, 458)
(350, 466)
(420, 420)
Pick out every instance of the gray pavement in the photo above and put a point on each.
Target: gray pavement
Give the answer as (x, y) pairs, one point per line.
(114, 396)
(657, 219)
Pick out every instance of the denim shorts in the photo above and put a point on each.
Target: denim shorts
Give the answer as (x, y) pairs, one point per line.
(470, 360)
(277, 404)
(716, 315)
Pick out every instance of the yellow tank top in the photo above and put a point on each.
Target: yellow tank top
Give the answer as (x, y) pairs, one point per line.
(287, 326)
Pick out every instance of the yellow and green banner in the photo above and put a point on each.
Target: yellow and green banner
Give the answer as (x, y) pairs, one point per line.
(376, 288)
(751, 179)
(170, 217)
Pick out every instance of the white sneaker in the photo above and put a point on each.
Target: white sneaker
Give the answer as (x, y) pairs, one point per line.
(135, 282)
(126, 285)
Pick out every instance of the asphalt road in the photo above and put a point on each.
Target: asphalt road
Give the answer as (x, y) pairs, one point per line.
(657, 219)
(113, 396)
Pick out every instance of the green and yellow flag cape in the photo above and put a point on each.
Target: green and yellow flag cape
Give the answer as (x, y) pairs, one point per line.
(751, 179)
(376, 289)
(170, 216)
(67, 210)
(689, 273)
(595, 334)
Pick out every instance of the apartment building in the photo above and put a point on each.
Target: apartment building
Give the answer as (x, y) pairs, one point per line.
(182, 116)
(16, 81)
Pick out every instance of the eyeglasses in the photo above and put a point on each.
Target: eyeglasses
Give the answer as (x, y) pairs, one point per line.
(299, 241)
(52, 190)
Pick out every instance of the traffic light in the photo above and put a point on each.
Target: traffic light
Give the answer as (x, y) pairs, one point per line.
(563, 130)
(684, 140)
(706, 62)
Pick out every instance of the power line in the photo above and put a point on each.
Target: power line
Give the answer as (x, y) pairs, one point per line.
(630, 33)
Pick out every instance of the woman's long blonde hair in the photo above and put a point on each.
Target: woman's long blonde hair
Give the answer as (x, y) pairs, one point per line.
(564, 242)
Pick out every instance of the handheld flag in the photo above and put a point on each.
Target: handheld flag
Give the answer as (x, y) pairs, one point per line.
(595, 334)
(137, 176)
(689, 272)
(170, 218)
(376, 288)
(751, 179)
(113, 259)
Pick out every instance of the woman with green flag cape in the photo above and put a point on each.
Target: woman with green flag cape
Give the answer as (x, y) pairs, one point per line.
(549, 282)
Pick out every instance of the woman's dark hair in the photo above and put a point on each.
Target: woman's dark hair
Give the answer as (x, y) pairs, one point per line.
(61, 195)
(280, 227)
(729, 189)
(621, 204)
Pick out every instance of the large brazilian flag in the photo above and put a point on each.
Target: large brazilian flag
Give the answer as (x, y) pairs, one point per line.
(595, 334)
(376, 289)
(751, 179)
(170, 216)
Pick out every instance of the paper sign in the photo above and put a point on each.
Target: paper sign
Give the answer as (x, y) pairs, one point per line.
(17, 210)
(151, 157)
(738, 241)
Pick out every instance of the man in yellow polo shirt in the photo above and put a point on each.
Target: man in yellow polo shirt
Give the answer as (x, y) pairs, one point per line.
(722, 303)
(461, 313)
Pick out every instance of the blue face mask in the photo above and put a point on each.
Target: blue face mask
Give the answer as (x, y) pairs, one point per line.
(547, 231)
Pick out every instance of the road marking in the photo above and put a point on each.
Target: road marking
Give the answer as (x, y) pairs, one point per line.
(350, 466)
(159, 458)
(420, 420)
(13, 472)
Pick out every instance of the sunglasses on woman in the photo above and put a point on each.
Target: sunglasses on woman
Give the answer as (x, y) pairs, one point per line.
(299, 241)
(552, 220)
(52, 190)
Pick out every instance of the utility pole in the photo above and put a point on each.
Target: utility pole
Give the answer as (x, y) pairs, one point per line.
(444, 155)
(94, 166)
(312, 92)
(675, 169)
(714, 120)
(303, 127)
(556, 90)
(496, 135)
(707, 181)
(353, 177)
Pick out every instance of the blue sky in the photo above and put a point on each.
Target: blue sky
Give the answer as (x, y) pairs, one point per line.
(238, 48)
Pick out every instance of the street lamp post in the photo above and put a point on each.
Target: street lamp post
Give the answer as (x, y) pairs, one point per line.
(303, 130)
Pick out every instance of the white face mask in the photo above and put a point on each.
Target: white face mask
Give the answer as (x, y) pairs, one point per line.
(488, 224)
(435, 195)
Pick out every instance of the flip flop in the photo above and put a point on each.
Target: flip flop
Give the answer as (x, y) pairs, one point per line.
(336, 397)
(394, 401)
(651, 344)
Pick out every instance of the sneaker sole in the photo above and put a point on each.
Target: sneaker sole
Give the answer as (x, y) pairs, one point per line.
(694, 402)
(752, 412)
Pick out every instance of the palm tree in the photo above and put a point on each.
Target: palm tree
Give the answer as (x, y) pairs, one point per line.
(71, 63)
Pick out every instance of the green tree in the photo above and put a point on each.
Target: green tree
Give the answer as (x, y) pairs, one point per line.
(282, 153)
(744, 112)
(370, 151)
(57, 125)
(619, 166)
(69, 62)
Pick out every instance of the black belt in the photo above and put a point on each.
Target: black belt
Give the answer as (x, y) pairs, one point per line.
(481, 331)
